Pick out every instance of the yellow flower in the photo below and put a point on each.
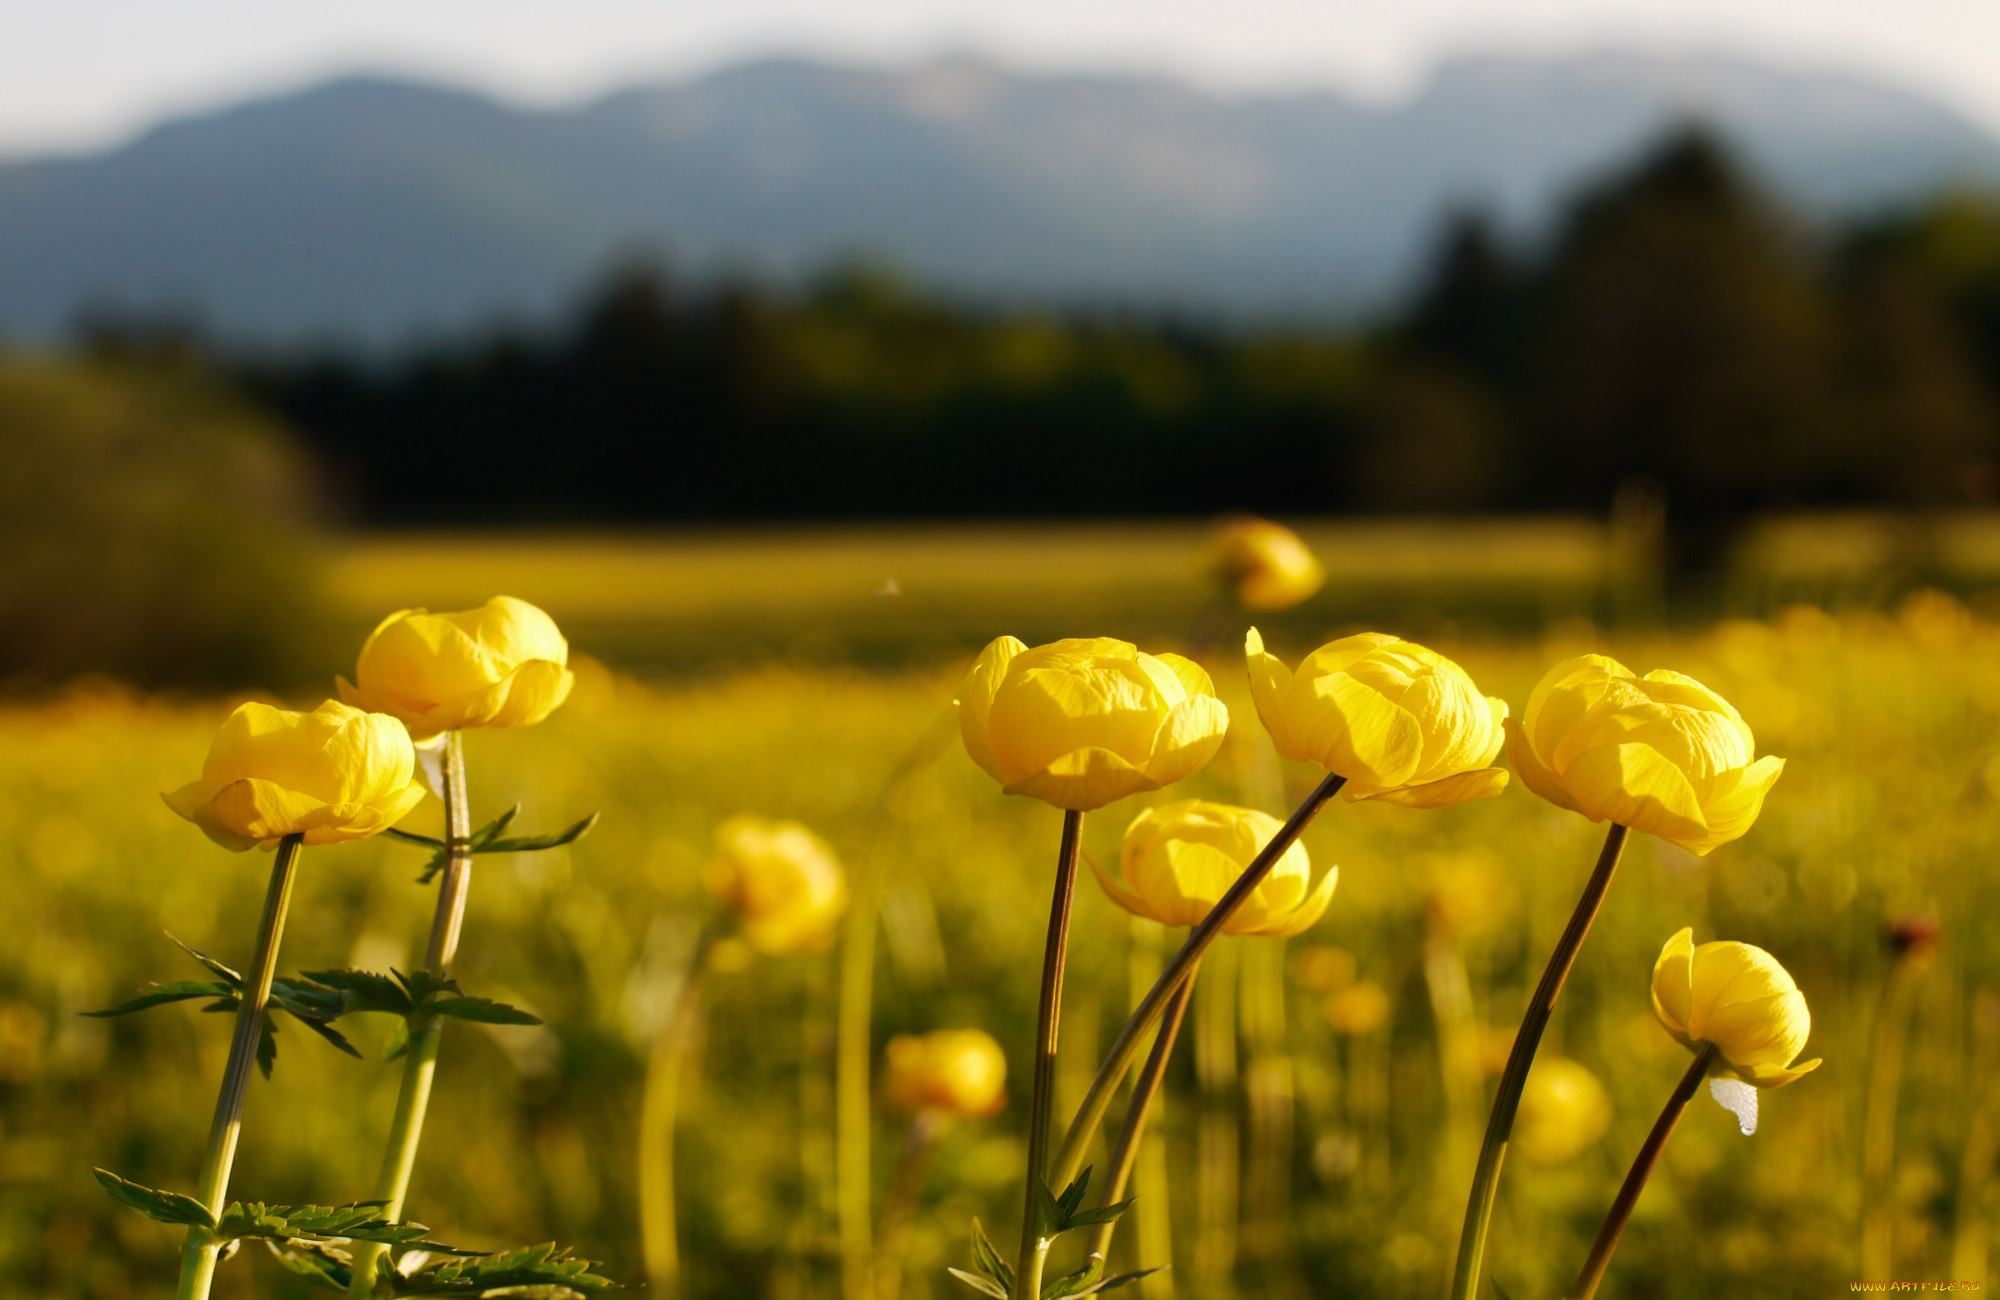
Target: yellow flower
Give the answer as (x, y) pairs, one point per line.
(1360, 1008)
(1660, 753)
(1563, 1110)
(1401, 722)
(1082, 722)
(1180, 858)
(783, 880)
(1737, 997)
(333, 774)
(1266, 563)
(501, 665)
(956, 1070)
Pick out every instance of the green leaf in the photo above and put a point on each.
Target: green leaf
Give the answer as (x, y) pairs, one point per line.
(356, 1221)
(1072, 1284)
(162, 1207)
(1123, 1279)
(234, 980)
(536, 843)
(515, 1272)
(328, 1265)
(1072, 1196)
(984, 1285)
(1102, 1214)
(423, 986)
(483, 1010)
(1048, 1213)
(398, 1041)
(492, 830)
(990, 1261)
(267, 1047)
(1499, 1290)
(410, 837)
(161, 994)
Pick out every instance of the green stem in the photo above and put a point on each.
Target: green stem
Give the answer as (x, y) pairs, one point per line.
(413, 1095)
(658, 1234)
(198, 1257)
(1069, 1157)
(851, 1118)
(894, 1232)
(1500, 1125)
(1144, 1089)
(1878, 1132)
(1635, 1179)
(1028, 1265)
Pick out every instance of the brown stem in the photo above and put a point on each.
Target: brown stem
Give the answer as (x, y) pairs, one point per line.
(1028, 1266)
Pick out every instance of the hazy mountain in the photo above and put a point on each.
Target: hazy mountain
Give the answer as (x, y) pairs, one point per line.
(375, 208)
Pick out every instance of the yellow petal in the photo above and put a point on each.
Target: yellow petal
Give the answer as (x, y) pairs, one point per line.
(1270, 683)
(1634, 786)
(1084, 779)
(1189, 739)
(1735, 801)
(1461, 788)
(1122, 896)
(1533, 775)
(975, 700)
(1305, 914)
(1673, 984)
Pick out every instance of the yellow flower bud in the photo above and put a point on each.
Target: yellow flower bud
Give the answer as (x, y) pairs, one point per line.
(501, 665)
(1737, 997)
(957, 1070)
(1660, 753)
(1266, 564)
(333, 774)
(1180, 858)
(1563, 1110)
(783, 881)
(1402, 723)
(1360, 1008)
(1082, 722)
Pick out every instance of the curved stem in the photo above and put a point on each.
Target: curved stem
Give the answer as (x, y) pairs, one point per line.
(198, 1257)
(658, 1235)
(1878, 1132)
(1028, 1262)
(1144, 1089)
(413, 1094)
(1069, 1157)
(1500, 1125)
(1635, 1179)
(893, 1235)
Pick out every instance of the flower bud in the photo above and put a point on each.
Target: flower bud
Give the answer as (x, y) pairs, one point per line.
(1082, 722)
(1660, 753)
(1737, 997)
(1265, 564)
(1401, 722)
(333, 774)
(961, 1071)
(501, 665)
(1178, 859)
(1563, 1110)
(783, 882)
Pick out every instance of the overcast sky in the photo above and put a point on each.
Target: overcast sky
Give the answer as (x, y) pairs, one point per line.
(82, 73)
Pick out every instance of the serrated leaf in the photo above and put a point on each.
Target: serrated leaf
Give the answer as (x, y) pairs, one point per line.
(1074, 1284)
(160, 1206)
(537, 843)
(1123, 1279)
(1072, 1196)
(984, 1285)
(484, 1010)
(267, 1048)
(1499, 1290)
(423, 986)
(989, 1260)
(492, 830)
(514, 1272)
(364, 990)
(328, 1265)
(1102, 1214)
(357, 1221)
(234, 980)
(411, 837)
(161, 994)
(1048, 1214)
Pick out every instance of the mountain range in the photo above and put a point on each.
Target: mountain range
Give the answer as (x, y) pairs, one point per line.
(373, 209)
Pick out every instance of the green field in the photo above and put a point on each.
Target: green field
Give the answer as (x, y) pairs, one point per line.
(1301, 1160)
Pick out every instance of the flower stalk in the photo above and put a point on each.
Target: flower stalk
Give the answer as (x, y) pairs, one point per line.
(1028, 1266)
(659, 1236)
(1635, 1179)
(198, 1257)
(1500, 1124)
(1145, 1089)
(426, 1032)
(893, 1234)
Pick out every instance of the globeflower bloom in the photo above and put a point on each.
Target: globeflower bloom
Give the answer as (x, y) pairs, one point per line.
(1738, 998)
(1081, 722)
(336, 773)
(1563, 1110)
(783, 881)
(1401, 722)
(960, 1071)
(501, 665)
(1178, 859)
(1660, 753)
(1265, 564)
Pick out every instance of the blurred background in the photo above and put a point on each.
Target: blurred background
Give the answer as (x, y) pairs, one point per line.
(786, 358)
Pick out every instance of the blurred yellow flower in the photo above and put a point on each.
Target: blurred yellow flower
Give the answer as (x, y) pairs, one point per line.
(958, 1070)
(1178, 859)
(1402, 723)
(783, 881)
(1563, 1110)
(1660, 753)
(1360, 1008)
(1081, 722)
(334, 774)
(501, 665)
(1737, 997)
(1265, 564)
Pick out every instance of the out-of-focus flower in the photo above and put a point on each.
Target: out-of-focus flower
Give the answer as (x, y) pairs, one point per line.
(1265, 564)
(1563, 1110)
(336, 773)
(1401, 722)
(961, 1071)
(501, 665)
(1660, 753)
(1081, 722)
(783, 881)
(1178, 859)
(1737, 997)
(1360, 1008)
(1319, 968)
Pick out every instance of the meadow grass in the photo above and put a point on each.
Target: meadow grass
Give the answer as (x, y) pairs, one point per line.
(1890, 724)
